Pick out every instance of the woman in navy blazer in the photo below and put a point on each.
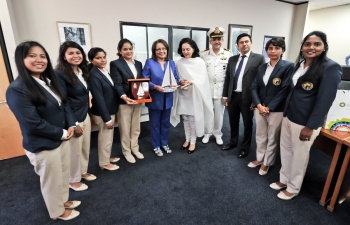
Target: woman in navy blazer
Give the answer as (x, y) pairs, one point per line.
(104, 106)
(40, 108)
(269, 92)
(129, 112)
(160, 107)
(313, 87)
(73, 76)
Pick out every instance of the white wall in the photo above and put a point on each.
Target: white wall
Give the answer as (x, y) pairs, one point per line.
(36, 19)
(335, 22)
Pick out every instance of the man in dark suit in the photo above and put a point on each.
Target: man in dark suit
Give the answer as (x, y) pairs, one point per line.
(240, 74)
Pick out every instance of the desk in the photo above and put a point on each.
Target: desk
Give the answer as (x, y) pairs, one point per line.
(332, 143)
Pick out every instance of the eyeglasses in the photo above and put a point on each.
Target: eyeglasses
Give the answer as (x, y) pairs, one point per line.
(216, 39)
(160, 49)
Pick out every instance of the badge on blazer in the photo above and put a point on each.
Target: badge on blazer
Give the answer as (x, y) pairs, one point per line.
(307, 86)
(277, 81)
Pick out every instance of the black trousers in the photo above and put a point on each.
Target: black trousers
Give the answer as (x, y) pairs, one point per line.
(235, 108)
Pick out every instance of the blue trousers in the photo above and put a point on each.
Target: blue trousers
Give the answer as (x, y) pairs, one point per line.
(160, 123)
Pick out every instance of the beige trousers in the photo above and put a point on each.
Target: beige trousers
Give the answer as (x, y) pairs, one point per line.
(129, 127)
(52, 166)
(105, 140)
(79, 148)
(294, 155)
(268, 129)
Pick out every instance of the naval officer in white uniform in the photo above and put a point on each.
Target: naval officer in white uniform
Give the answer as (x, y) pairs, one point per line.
(216, 59)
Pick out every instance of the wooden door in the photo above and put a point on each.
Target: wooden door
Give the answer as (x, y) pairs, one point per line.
(10, 133)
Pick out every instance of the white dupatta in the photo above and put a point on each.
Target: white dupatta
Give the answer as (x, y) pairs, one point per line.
(194, 70)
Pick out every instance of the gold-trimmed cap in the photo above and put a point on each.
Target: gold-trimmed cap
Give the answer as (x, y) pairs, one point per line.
(216, 32)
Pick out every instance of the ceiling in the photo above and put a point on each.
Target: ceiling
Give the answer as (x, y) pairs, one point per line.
(320, 4)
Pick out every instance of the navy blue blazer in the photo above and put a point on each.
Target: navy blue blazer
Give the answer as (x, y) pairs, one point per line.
(254, 61)
(308, 102)
(274, 94)
(153, 70)
(104, 95)
(42, 126)
(77, 96)
(120, 73)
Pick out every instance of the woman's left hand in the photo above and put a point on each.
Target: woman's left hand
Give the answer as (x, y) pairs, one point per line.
(305, 134)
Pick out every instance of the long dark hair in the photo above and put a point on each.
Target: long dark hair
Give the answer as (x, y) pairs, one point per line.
(66, 68)
(91, 55)
(193, 45)
(35, 92)
(316, 67)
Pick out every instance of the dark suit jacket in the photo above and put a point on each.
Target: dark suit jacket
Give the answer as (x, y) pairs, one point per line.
(42, 126)
(254, 61)
(274, 94)
(120, 73)
(77, 96)
(104, 95)
(309, 107)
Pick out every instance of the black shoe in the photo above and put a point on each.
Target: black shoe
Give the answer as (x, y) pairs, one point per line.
(229, 146)
(190, 151)
(185, 147)
(242, 153)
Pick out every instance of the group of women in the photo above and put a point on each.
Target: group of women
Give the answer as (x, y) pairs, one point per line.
(53, 108)
(291, 105)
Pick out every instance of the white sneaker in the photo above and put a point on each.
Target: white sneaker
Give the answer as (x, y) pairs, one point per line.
(219, 141)
(206, 138)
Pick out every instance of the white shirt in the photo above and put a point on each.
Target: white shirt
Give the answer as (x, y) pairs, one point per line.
(240, 78)
(299, 72)
(132, 67)
(43, 84)
(268, 72)
(80, 77)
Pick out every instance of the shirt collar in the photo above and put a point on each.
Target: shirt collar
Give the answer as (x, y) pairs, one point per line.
(213, 53)
(42, 82)
(132, 60)
(248, 54)
(80, 73)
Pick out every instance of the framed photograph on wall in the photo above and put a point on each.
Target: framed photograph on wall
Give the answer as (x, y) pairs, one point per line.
(266, 39)
(233, 31)
(77, 32)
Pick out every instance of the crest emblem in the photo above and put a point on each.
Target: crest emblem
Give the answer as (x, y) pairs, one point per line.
(307, 86)
(276, 81)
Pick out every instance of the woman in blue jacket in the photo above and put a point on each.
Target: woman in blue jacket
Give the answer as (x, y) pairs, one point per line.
(160, 107)
(313, 88)
(40, 108)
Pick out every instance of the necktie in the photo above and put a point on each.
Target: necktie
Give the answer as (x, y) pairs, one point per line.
(238, 71)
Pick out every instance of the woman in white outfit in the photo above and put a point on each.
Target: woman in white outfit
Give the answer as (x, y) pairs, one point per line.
(193, 100)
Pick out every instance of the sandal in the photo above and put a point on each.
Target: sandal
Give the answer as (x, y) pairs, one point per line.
(166, 149)
(158, 152)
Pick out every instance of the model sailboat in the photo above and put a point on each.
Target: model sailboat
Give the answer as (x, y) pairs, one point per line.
(169, 83)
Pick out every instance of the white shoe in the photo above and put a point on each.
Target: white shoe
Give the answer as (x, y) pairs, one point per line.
(252, 165)
(263, 172)
(138, 155)
(275, 186)
(206, 138)
(90, 177)
(72, 215)
(219, 141)
(114, 167)
(82, 187)
(74, 205)
(130, 158)
(113, 160)
(283, 196)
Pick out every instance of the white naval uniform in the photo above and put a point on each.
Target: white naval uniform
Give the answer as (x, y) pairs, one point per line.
(216, 68)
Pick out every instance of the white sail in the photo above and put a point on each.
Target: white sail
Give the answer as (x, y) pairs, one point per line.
(169, 78)
(140, 92)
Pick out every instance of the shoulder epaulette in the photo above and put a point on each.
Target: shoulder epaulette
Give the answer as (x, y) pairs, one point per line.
(205, 50)
(226, 49)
